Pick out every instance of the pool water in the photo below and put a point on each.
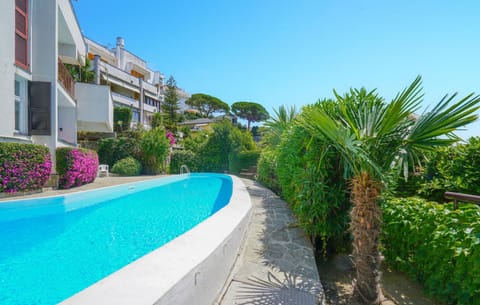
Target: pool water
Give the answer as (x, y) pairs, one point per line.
(47, 258)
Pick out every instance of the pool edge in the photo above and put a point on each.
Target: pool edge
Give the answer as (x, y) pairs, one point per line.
(191, 269)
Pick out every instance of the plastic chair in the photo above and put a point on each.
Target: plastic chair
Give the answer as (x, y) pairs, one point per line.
(102, 169)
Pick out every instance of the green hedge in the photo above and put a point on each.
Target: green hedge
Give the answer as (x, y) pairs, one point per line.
(180, 157)
(436, 245)
(23, 167)
(112, 150)
(127, 167)
(237, 161)
(266, 171)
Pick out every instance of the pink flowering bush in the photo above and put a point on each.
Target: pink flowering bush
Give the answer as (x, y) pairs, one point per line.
(171, 138)
(23, 167)
(76, 166)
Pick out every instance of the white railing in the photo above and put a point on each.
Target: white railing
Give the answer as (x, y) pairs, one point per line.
(184, 169)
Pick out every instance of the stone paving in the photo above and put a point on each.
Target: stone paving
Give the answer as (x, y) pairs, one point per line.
(276, 264)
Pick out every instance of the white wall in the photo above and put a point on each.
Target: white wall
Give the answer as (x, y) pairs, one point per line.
(94, 103)
(7, 67)
(67, 118)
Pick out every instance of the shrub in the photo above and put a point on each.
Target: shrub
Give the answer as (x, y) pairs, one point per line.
(23, 167)
(76, 166)
(267, 166)
(242, 160)
(154, 147)
(180, 157)
(111, 150)
(225, 140)
(127, 167)
(312, 182)
(436, 245)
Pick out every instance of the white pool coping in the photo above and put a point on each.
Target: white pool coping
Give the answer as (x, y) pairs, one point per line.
(191, 269)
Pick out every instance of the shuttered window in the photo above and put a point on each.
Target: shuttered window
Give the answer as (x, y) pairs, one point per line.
(21, 33)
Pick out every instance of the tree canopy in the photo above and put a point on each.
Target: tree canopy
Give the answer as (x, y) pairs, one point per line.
(250, 111)
(207, 104)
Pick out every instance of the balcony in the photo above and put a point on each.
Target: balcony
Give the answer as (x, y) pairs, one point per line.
(66, 79)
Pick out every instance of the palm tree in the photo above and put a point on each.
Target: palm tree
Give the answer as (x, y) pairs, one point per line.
(278, 124)
(372, 137)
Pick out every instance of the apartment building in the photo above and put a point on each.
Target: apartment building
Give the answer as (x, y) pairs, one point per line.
(131, 83)
(37, 93)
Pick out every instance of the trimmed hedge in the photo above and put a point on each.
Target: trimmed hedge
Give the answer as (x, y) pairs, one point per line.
(242, 160)
(76, 166)
(127, 167)
(266, 171)
(112, 150)
(436, 245)
(23, 167)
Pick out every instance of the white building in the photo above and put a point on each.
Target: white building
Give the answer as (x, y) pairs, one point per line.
(129, 82)
(38, 102)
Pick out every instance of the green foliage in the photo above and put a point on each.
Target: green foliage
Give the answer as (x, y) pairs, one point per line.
(267, 170)
(170, 105)
(436, 245)
(181, 157)
(278, 124)
(82, 74)
(206, 104)
(154, 149)
(111, 150)
(453, 169)
(310, 176)
(157, 120)
(122, 116)
(242, 160)
(127, 167)
(252, 112)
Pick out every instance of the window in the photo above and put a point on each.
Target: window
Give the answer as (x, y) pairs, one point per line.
(20, 105)
(21, 33)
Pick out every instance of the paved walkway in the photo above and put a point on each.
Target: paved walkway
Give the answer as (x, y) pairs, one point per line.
(276, 264)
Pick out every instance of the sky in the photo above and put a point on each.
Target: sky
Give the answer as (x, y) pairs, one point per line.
(278, 52)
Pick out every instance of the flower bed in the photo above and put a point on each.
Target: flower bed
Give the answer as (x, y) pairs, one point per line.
(23, 167)
(76, 166)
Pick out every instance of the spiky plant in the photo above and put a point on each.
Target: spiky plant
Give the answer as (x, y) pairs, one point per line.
(371, 137)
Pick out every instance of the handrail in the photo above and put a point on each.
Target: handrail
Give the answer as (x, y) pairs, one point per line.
(461, 197)
(184, 169)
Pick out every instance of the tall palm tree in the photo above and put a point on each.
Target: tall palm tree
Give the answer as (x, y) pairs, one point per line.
(371, 137)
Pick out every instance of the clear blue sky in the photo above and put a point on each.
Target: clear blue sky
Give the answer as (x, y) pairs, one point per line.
(278, 52)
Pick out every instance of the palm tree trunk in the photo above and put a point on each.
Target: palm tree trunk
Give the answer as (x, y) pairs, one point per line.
(366, 219)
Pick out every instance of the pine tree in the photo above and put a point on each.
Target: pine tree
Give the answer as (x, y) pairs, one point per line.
(170, 105)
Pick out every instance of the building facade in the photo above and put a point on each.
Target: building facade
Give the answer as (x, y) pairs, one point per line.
(130, 81)
(38, 101)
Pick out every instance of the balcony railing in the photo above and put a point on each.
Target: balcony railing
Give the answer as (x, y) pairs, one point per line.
(66, 79)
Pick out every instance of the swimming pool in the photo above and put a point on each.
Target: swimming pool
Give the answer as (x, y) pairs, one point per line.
(53, 248)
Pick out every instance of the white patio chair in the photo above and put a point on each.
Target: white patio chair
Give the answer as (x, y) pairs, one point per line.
(102, 169)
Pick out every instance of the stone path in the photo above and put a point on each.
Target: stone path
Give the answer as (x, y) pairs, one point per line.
(276, 264)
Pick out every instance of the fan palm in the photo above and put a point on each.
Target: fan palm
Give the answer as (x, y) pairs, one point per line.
(278, 124)
(371, 137)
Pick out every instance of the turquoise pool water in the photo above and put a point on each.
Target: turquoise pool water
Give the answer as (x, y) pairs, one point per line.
(52, 248)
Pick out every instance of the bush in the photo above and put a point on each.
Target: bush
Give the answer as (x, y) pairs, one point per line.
(312, 181)
(180, 157)
(127, 167)
(23, 167)
(242, 160)
(266, 171)
(111, 150)
(76, 166)
(154, 147)
(436, 245)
